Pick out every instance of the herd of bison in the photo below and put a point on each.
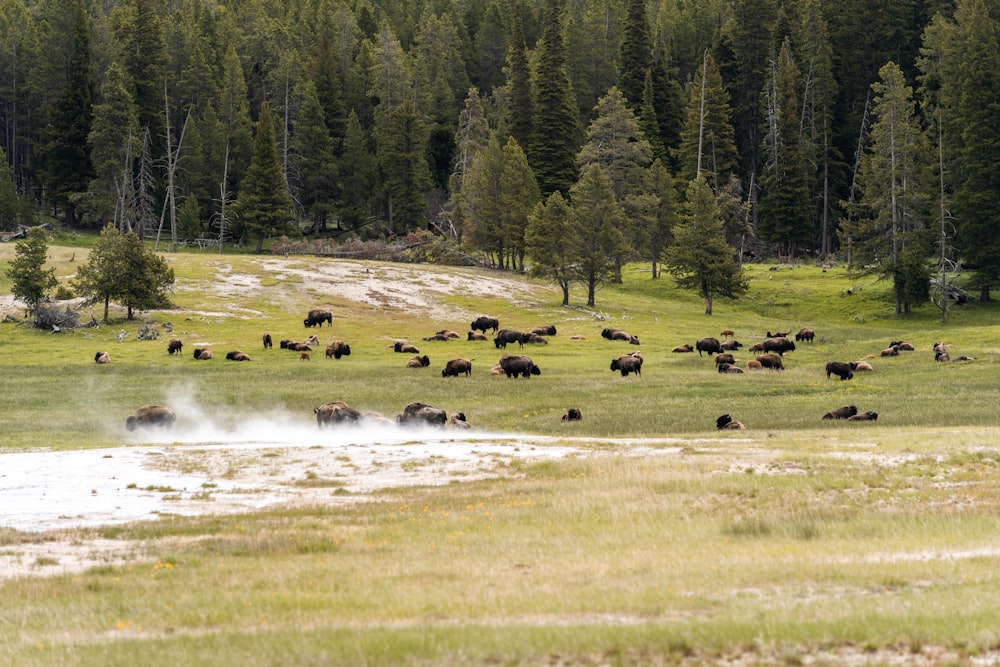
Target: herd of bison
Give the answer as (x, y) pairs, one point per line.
(768, 356)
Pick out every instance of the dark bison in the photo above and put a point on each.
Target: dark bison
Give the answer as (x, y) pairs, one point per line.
(299, 347)
(940, 352)
(841, 369)
(547, 330)
(336, 412)
(456, 367)
(174, 346)
(729, 368)
(772, 361)
(505, 336)
(400, 346)
(686, 347)
(316, 317)
(419, 414)
(724, 358)
(338, 349)
(514, 365)
(484, 324)
(708, 345)
(150, 416)
(727, 422)
(268, 342)
(102, 358)
(572, 415)
(285, 342)
(534, 339)
(805, 335)
(868, 416)
(845, 412)
(731, 345)
(237, 355)
(778, 334)
(614, 334)
(779, 344)
(475, 335)
(418, 361)
(628, 363)
(203, 353)
(902, 345)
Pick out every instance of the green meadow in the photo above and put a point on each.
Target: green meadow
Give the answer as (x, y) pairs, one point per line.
(795, 541)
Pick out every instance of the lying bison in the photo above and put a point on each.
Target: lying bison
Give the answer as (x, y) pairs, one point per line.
(338, 349)
(475, 335)
(316, 317)
(336, 412)
(417, 361)
(546, 330)
(572, 415)
(514, 365)
(729, 368)
(845, 412)
(731, 345)
(708, 345)
(456, 367)
(102, 358)
(628, 363)
(841, 369)
(416, 414)
(505, 336)
(728, 423)
(867, 416)
(237, 355)
(203, 353)
(484, 324)
(618, 334)
(150, 416)
(408, 348)
(686, 347)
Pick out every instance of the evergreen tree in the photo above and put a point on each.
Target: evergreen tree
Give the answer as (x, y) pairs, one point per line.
(265, 208)
(597, 220)
(471, 138)
(490, 47)
(358, 182)
(114, 144)
(10, 203)
(329, 86)
(31, 281)
(636, 59)
(655, 213)
(402, 159)
(706, 143)
(101, 278)
(591, 53)
(555, 135)
(616, 143)
(313, 160)
(549, 242)
(648, 122)
(482, 204)
(700, 259)
(145, 276)
(522, 107)
(518, 195)
(139, 30)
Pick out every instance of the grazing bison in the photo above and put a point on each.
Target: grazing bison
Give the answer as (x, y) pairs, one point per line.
(336, 412)
(779, 344)
(756, 347)
(845, 412)
(316, 317)
(237, 355)
(839, 368)
(455, 367)
(268, 342)
(338, 349)
(418, 361)
(475, 335)
(868, 416)
(628, 363)
(484, 324)
(708, 345)
(400, 346)
(731, 345)
(102, 358)
(727, 422)
(729, 368)
(572, 415)
(805, 335)
(150, 416)
(724, 358)
(686, 347)
(174, 346)
(772, 361)
(547, 330)
(505, 336)
(514, 365)
(419, 414)
(203, 354)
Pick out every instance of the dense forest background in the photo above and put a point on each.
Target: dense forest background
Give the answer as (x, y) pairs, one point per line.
(865, 129)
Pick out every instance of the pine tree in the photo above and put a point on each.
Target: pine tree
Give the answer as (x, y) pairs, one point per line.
(10, 203)
(636, 55)
(114, 144)
(522, 107)
(549, 242)
(616, 143)
(482, 205)
(312, 157)
(402, 158)
(265, 208)
(140, 32)
(358, 182)
(518, 195)
(707, 144)
(597, 219)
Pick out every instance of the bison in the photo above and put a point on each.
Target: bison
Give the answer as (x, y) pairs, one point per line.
(728, 333)
(514, 365)
(448, 333)
(102, 358)
(174, 346)
(420, 414)
(779, 344)
(778, 334)
(805, 335)
(614, 334)
(841, 369)
(418, 361)
(724, 358)
(686, 347)
(203, 354)
(729, 368)
(546, 330)
(336, 412)
(316, 317)
(628, 363)
(338, 349)
(772, 361)
(458, 421)
(754, 365)
(400, 346)
(505, 336)
(572, 415)
(484, 324)
(902, 345)
(708, 345)
(237, 355)
(439, 337)
(891, 351)
(845, 412)
(857, 366)
(455, 367)
(868, 416)
(475, 335)
(728, 423)
(268, 342)
(731, 345)
(534, 339)
(300, 347)
(150, 416)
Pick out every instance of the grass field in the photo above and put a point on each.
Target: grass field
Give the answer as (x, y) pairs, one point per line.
(796, 541)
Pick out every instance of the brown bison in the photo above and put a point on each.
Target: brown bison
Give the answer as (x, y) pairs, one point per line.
(448, 333)
(731, 345)
(547, 330)
(455, 367)
(416, 414)
(754, 365)
(686, 347)
(724, 358)
(174, 346)
(458, 421)
(778, 334)
(237, 355)
(572, 415)
(902, 345)
(484, 324)
(316, 317)
(614, 334)
(505, 336)
(336, 412)
(772, 361)
(891, 351)
(709, 345)
(729, 368)
(727, 422)
(534, 339)
(841, 369)
(300, 347)
(418, 361)
(268, 342)
(857, 366)
(475, 335)
(102, 358)
(438, 337)
(338, 349)
(203, 354)
(779, 344)
(150, 416)
(514, 365)
(408, 348)
(728, 333)
(628, 363)
(868, 416)
(845, 412)
(805, 335)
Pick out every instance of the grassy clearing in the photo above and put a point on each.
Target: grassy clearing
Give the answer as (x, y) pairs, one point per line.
(793, 537)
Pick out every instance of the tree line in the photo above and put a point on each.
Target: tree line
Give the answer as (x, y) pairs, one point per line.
(562, 136)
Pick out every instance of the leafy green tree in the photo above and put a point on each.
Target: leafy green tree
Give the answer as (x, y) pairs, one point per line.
(707, 141)
(114, 144)
(265, 208)
(101, 277)
(549, 243)
(597, 219)
(31, 281)
(700, 259)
